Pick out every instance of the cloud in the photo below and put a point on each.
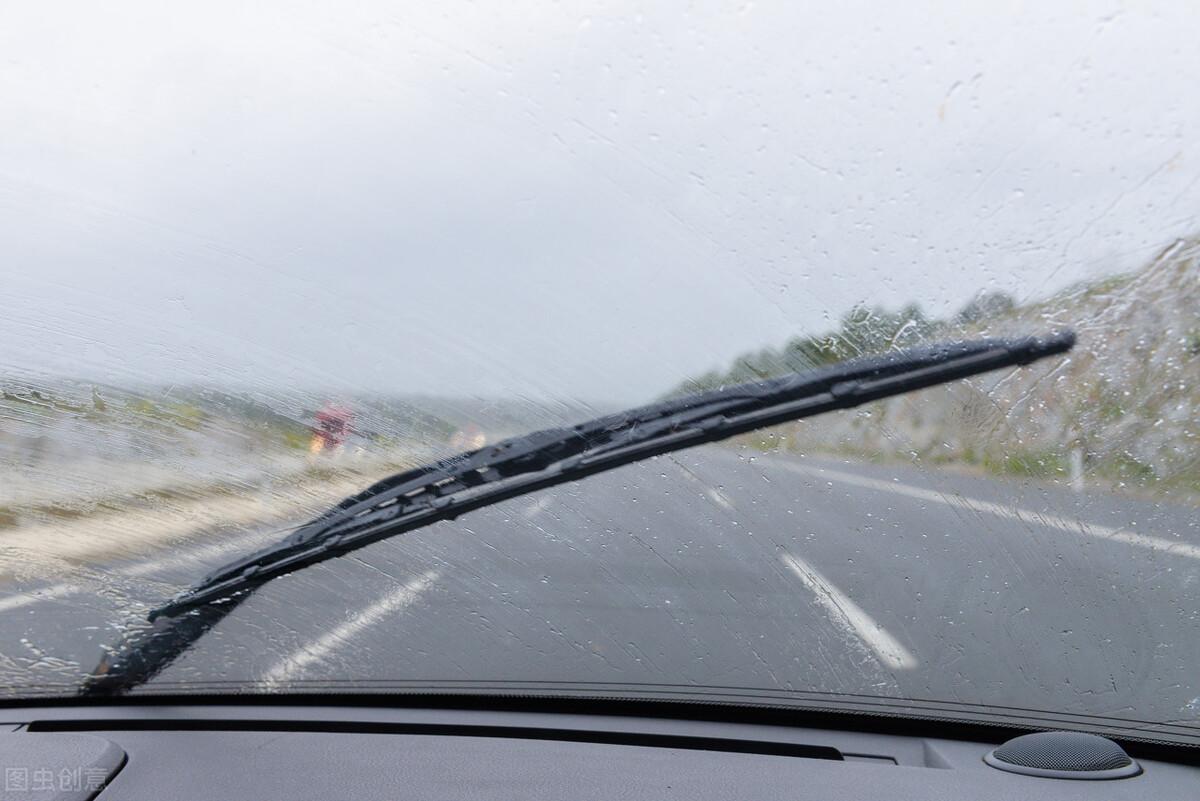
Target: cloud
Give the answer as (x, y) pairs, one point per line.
(542, 200)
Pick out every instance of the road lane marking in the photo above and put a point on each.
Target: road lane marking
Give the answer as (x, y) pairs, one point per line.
(1008, 512)
(395, 601)
(537, 507)
(718, 497)
(851, 617)
(715, 495)
(29, 597)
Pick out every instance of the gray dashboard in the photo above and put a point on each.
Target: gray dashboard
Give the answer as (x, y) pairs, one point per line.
(184, 752)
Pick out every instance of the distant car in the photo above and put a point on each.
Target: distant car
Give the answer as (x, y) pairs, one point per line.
(333, 426)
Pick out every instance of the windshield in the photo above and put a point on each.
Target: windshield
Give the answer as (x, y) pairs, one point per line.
(257, 258)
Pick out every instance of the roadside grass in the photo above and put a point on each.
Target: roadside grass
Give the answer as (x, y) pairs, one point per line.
(16, 516)
(1117, 472)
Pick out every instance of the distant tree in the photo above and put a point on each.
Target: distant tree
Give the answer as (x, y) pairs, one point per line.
(876, 330)
(713, 379)
(754, 367)
(862, 330)
(986, 305)
(806, 353)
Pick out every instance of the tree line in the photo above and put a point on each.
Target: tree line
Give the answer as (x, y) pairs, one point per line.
(862, 330)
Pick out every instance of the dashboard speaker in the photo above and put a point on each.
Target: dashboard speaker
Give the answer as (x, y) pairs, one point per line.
(1064, 755)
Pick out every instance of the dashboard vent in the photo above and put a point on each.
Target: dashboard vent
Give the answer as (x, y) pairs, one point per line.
(1064, 755)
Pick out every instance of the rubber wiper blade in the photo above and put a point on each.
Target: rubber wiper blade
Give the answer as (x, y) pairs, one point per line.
(451, 487)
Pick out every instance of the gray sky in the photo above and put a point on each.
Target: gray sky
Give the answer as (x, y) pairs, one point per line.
(557, 200)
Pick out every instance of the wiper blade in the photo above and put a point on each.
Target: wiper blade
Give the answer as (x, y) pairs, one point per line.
(452, 487)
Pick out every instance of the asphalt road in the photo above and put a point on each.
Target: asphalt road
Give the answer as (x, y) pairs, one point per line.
(709, 568)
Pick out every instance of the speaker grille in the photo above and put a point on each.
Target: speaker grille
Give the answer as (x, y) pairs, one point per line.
(1065, 755)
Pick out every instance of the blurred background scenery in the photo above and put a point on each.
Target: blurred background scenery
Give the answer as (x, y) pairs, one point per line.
(95, 470)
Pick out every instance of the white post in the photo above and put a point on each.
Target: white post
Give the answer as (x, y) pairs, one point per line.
(1077, 469)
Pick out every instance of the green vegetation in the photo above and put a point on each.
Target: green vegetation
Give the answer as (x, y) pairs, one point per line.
(1125, 401)
(863, 330)
(1044, 464)
(1192, 342)
(39, 401)
(166, 415)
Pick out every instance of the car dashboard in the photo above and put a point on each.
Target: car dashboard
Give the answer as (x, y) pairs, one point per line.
(180, 752)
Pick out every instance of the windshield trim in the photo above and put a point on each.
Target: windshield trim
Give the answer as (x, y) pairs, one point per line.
(910, 717)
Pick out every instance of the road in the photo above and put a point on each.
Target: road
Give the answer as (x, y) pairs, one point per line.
(708, 568)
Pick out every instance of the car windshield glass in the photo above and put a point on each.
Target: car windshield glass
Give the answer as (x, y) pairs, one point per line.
(260, 257)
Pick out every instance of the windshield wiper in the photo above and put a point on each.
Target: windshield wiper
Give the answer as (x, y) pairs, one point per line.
(452, 487)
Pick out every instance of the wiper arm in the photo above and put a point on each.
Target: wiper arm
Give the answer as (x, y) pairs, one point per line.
(452, 487)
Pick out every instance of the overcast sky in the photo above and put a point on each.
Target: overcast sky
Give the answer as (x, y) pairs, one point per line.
(557, 200)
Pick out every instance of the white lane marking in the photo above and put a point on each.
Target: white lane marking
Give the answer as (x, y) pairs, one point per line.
(36, 596)
(1008, 512)
(717, 497)
(536, 508)
(295, 663)
(851, 617)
